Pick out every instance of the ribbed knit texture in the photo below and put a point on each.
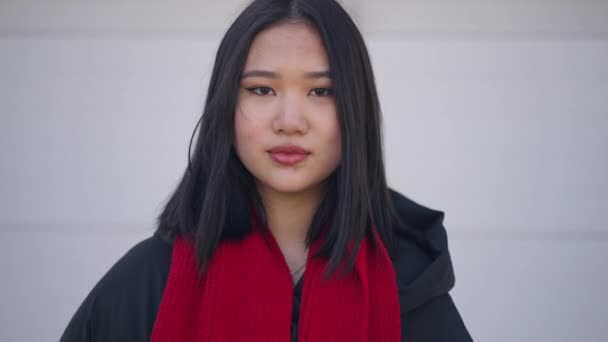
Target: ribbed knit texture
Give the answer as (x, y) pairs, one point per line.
(246, 294)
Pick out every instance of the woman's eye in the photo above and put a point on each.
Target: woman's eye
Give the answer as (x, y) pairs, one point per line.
(321, 92)
(262, 91)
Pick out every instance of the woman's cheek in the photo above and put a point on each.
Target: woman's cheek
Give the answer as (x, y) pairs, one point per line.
(255, 112)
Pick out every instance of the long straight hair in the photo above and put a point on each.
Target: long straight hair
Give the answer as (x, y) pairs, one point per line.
(214, 198)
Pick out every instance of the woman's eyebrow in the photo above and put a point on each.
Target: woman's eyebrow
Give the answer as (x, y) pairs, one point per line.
(274, 75)
(260, 73)
(318, 74)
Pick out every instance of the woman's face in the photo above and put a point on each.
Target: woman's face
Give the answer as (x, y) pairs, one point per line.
(287, 132)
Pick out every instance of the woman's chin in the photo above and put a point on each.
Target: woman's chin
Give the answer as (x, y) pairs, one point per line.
(290, 186)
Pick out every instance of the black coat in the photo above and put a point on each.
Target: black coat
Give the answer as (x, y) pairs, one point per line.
(123, 304)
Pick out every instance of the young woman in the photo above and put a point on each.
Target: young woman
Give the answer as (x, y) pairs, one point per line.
(283, 227)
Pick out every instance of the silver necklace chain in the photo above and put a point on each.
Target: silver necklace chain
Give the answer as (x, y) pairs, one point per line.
(298, 270)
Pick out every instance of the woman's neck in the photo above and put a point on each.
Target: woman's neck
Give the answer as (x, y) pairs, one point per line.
(289, 215)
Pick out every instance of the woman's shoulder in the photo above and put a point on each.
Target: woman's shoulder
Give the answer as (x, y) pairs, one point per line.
(146, 262)
(152, 252)
(129, 291)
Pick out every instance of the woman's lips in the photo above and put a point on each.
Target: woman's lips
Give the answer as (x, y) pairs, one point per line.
(288, 158)
(288, 155)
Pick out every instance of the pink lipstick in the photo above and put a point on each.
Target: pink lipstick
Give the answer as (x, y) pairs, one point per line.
(288, 155)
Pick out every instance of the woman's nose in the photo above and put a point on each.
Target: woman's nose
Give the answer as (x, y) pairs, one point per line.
(291, 117)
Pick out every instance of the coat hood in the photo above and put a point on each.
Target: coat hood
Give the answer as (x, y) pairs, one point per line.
(422, 262)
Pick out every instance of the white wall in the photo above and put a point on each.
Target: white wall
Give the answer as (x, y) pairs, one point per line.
(496, 112)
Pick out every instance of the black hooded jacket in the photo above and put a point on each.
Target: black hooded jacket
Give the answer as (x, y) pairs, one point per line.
(123, 304)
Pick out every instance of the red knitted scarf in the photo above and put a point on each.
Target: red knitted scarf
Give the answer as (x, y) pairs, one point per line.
(246, 294)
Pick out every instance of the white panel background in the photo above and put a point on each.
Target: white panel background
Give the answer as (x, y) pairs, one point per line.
(496, 112)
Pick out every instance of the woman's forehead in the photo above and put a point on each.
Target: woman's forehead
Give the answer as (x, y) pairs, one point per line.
(288, 45)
